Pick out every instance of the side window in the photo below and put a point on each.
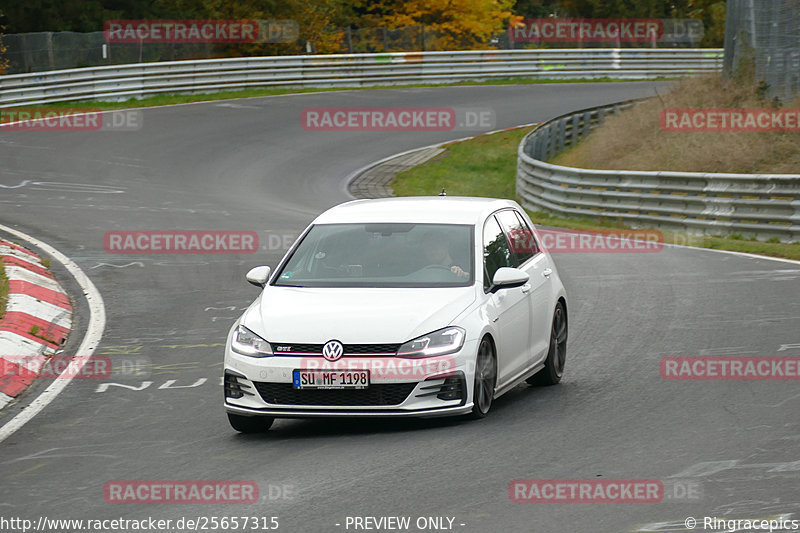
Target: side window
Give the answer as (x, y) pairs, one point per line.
(496, 252)
(521, 240)
(533, 245)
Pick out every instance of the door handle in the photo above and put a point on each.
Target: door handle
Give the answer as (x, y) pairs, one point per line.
(526, 288)
(546, 272)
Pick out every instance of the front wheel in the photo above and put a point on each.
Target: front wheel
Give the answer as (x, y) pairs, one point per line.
(250, 424)
(557, 354)
(485, 379)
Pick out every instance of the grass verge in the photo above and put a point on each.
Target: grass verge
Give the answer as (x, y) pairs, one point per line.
(483, 166)
(3, 290)
(635, 140)
(173, 99)
(486, 166)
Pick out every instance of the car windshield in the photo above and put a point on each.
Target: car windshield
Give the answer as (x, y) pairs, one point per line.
(382, 255)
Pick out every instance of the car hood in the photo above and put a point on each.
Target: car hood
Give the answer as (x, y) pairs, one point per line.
(354, 315)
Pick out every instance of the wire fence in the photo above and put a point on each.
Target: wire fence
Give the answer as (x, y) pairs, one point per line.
(382, 39)
(766, 32)
(43, 51)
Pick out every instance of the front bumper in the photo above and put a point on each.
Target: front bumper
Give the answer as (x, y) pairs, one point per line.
(349, 413)
(437, 386)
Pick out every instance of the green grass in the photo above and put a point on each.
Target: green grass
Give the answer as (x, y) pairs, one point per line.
(486, 166)
(3, 289)
(36, 331)
(483, 166)
(173, 99)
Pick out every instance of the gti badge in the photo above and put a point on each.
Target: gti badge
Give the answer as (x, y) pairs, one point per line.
(332, 350)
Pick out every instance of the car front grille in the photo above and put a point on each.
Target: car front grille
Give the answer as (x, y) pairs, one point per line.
(286, 394)
(298, 349)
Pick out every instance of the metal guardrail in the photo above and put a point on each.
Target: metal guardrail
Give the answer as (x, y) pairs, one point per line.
(760, 205)
(121, 82)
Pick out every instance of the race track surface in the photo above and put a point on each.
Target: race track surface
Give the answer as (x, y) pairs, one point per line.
(250, 165)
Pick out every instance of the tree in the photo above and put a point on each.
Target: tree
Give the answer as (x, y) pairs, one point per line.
(24, 16)
(534, 9)
(456, 24)
(712, 13)
(4, 64)
(315, 18)
(625, 8)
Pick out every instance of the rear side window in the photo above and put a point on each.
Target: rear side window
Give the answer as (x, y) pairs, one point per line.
(521, 239)
(496, 252)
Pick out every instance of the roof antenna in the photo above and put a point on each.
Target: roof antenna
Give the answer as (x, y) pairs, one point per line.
(442, 193)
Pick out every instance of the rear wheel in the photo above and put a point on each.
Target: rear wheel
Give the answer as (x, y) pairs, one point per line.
(485, 379)
(557, 354)
(250, 424)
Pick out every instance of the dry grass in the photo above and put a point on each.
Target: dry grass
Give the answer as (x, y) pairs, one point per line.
(633, 140)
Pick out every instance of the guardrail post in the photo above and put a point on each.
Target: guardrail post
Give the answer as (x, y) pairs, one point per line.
(575, 132)
(50, 57)
(587, 124)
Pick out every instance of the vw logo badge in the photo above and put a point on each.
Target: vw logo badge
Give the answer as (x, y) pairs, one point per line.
(332, 350)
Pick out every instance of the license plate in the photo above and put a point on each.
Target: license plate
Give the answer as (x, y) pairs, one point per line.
(330, 379)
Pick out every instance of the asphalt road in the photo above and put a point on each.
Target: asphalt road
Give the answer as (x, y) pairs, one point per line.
(734, 446)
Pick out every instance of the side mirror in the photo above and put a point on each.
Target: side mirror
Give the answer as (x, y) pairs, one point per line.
(258, 276)
(507, 278)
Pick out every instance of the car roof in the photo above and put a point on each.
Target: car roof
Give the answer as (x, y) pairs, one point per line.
(418, 209)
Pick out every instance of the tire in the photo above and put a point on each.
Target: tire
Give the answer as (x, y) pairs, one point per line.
(485, 379)
(557, 354)
(250, 424)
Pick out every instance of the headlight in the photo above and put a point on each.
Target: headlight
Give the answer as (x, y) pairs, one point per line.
(246, 342)
(442, 342)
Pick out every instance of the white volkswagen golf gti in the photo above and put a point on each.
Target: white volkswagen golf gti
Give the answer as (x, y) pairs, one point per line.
(425, 306)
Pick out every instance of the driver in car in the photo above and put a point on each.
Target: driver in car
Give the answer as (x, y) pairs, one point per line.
(436, 253)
